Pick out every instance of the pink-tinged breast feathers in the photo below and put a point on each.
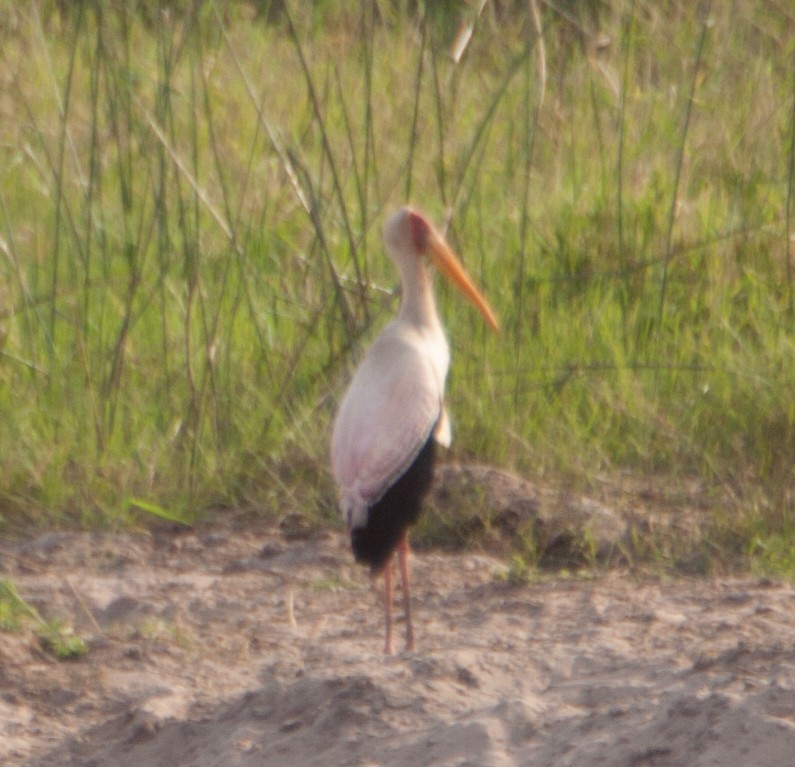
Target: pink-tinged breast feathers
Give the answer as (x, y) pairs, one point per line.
(384, 420)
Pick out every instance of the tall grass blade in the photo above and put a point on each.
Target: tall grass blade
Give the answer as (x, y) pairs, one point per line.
(703, 11)
(789, 228)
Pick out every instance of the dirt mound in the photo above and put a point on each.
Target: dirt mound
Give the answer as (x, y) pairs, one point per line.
(224, 647)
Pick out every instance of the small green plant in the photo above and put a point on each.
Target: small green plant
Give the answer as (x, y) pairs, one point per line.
(55, 635)
(59, 638)
(519, 572)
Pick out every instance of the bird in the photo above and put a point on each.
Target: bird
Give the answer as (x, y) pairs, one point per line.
(392, 416)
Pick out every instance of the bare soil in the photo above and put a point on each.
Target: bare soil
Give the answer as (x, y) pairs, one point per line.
(242, 647)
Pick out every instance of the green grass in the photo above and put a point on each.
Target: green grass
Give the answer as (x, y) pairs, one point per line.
(190, 255)
(56, 636)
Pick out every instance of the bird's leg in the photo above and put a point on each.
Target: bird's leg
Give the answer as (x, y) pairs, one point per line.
(405, 576)
(388, 606)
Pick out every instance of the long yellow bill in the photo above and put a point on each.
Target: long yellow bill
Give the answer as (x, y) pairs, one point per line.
(448, 264)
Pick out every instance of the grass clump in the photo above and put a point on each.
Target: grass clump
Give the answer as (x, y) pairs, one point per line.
(58, 638)
(520, 572)
(190, 256)
(55, 635)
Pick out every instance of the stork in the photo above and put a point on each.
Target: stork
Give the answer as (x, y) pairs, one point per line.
(392, 416)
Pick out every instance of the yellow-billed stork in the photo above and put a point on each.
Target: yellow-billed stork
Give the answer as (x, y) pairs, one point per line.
(392, 416)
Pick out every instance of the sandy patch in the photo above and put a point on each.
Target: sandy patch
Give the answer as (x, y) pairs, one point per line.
(242, 648)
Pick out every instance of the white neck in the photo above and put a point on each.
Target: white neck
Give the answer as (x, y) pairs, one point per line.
(417, 303)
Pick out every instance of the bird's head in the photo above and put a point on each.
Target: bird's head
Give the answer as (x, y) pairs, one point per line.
(409, 235)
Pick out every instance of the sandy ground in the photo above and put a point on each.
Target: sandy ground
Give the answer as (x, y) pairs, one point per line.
(237, 647)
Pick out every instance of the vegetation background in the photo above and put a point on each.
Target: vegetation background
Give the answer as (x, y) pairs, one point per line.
(190, 257)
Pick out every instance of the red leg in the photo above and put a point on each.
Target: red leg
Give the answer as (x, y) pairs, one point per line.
(388, 606)
(405, 576)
